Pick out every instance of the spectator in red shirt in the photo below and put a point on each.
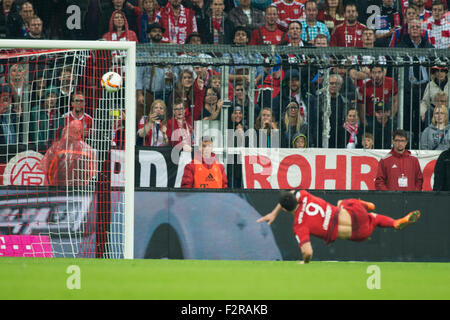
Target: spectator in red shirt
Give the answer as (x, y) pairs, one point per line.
(289, 10)
(180, 128)
(332, 14)
(349, 33)
(378, 88)
(77, 112)
(178, 21)
(119, 29)
(269, 33)
(399, 170)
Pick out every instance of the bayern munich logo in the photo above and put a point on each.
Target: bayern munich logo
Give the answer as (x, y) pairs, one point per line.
(22, 170)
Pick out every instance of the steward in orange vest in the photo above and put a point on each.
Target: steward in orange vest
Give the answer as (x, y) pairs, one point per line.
(207, 173)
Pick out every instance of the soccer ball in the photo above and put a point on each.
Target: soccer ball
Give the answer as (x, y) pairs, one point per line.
(111, 81)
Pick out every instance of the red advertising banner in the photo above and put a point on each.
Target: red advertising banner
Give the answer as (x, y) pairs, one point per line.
(331, 169)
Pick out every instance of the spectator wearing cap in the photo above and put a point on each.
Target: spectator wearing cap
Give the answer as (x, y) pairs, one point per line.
(150, 12)
(246, 15)
(300, 141)
(241, 72)
(292, 124)
(378, 88)
(270, 89)
(155, 33)
(381, 126)
(153, 82)
(296, 89)
(438, 84)
(195, 38)
(204, 171)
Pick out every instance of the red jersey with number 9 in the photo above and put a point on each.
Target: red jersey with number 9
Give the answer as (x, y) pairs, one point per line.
(314, 216)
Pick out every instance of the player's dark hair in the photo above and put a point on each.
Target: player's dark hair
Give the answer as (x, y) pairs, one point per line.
(287, 200)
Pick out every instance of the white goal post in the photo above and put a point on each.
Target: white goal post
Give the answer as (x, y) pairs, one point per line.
(128, 55)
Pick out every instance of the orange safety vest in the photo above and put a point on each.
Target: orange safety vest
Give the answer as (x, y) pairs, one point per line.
(53, 168)
(207, 178)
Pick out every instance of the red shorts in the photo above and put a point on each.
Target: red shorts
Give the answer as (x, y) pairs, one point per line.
(363, 223)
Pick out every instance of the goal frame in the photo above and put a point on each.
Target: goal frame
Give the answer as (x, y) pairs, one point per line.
(130, 122)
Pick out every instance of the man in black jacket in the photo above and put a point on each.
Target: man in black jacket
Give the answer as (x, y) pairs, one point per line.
(416, 79)
(442, 172)
(17, 23)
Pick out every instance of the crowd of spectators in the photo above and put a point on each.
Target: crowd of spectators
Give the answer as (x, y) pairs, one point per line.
(357, 106)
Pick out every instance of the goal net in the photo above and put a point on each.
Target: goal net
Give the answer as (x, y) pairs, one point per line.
(62, 149)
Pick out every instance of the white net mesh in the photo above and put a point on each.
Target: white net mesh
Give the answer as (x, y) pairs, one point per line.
(61, 143)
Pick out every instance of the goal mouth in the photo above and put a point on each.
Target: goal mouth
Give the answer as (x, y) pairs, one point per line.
(62, 190)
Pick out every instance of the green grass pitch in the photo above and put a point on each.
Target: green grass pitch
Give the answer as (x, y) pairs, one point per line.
(40, 278)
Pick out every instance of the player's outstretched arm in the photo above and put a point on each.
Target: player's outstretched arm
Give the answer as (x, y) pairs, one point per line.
(270, 217)
(307, 252)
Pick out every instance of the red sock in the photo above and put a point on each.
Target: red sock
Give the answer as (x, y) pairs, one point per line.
(384, 221)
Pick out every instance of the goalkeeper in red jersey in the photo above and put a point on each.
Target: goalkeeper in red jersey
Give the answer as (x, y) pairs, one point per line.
(349, 220)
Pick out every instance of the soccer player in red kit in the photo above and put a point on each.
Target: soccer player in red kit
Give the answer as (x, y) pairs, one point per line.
(348, 33)
(349, 220)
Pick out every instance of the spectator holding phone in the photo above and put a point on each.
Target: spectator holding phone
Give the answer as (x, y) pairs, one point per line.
(153, 128)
